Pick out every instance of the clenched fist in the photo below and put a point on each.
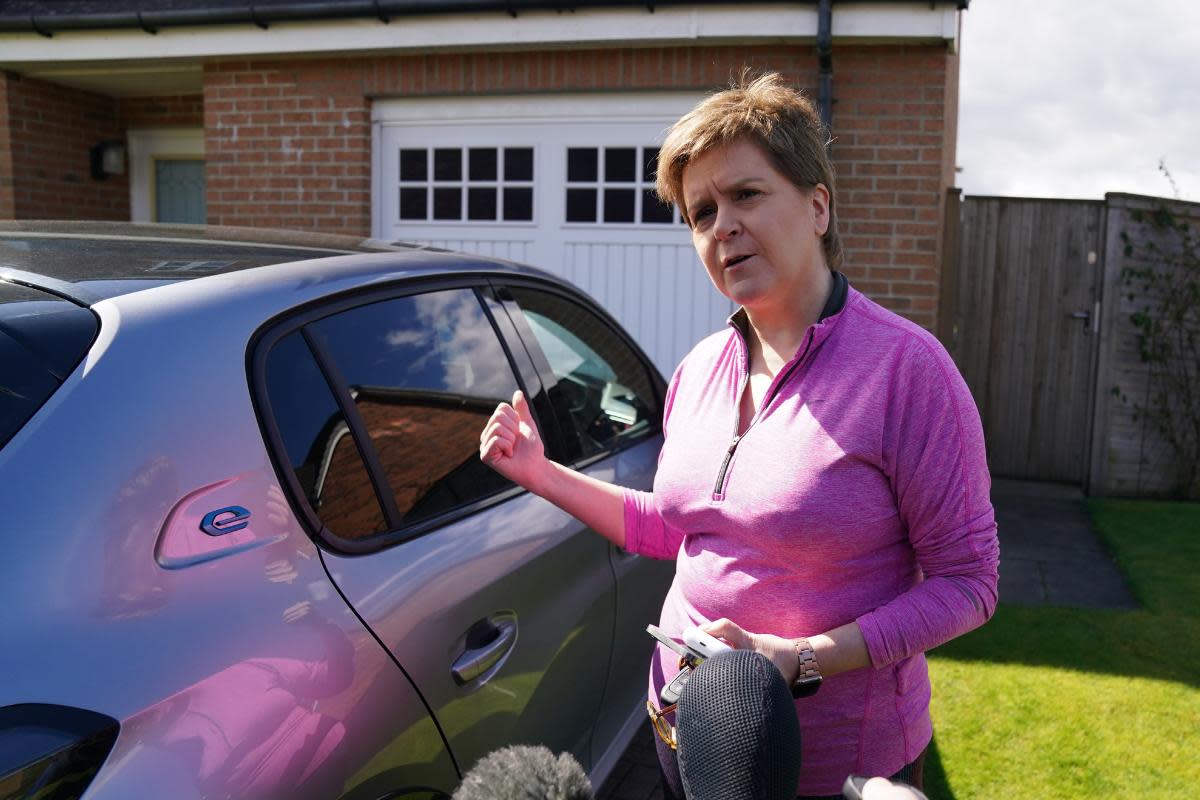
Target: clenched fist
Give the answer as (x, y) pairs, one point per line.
(511, 445)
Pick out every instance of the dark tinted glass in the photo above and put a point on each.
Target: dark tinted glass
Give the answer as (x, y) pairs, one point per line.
(619, 164)
(42, 339)
(518, 204)
(581, 205)
(426, 372)
(604, 390)
(25, 384)
(649, 164)
(319, 446)
(653, 209)
(414, 165)
(413, 204)
(518, 164)
(618, 205)
(481, 202)
(55, 331)
(447, 164)
(447, 203)
(581, 164)
(481, 163)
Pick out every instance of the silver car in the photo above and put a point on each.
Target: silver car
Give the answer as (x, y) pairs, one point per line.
(249, 548)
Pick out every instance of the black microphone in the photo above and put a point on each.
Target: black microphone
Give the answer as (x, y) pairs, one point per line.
(739, 738)
(525, 772)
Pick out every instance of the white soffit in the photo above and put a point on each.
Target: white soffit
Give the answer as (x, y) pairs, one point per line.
(762, 23)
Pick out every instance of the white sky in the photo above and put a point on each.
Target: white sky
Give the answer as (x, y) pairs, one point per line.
(1075, 98)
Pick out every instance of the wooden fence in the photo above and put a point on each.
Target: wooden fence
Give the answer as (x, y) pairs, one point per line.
(1034, 315)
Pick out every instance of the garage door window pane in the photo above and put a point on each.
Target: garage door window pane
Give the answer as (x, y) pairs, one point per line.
(618, 205)
(653, 209)
(518, 205)
(582, 163)
(414, 165)
(603, 394)
(320, 449)
(581, 205)
(649, 164)
(481, 203)
(426, 372)
(447, 164)
(482, 165)
(518, 164)
(447, 203)
(619, 164)
(412, 204)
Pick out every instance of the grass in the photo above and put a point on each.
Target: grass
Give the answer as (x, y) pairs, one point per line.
(1068, 703)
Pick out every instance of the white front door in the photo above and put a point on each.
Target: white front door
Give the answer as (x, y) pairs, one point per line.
(563, 183)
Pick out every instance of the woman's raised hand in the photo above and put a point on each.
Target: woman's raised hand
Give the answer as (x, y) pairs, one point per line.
(511, 445)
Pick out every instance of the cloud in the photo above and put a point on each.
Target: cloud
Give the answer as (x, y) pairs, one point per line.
(1066, 99)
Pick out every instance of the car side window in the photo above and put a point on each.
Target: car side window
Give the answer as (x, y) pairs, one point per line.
(425, 373)
(320, 449)
(603, 393)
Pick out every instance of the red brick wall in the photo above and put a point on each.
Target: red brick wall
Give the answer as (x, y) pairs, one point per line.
(50, 131)
(288, 143)
(170, 111)
(891, 150)
(8, 205)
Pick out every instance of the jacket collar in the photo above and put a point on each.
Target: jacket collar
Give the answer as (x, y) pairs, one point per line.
(833, 307)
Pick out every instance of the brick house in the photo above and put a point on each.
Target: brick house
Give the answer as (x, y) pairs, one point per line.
(519, 128)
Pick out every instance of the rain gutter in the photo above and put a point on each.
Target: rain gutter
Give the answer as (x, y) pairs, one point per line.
(263, 15)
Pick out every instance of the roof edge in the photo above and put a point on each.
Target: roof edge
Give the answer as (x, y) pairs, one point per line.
(46, 21)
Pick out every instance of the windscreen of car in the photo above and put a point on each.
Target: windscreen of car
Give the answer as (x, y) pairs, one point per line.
(42, 339)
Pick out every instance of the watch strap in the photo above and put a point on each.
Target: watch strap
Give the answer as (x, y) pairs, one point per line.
(808, 679)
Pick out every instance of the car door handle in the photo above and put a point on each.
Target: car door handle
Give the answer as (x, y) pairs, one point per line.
(488, 641)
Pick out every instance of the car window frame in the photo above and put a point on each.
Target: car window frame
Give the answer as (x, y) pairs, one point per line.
(274, 330)
(548, 377)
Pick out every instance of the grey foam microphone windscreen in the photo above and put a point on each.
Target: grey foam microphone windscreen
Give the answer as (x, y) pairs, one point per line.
(739, 738)
(524, 772)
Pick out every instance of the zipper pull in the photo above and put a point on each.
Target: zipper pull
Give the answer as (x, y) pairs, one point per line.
(720, 487)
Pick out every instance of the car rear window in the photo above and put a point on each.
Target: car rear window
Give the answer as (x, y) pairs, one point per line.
(42, 339)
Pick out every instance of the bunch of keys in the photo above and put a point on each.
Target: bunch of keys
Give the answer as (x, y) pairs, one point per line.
(697, 646)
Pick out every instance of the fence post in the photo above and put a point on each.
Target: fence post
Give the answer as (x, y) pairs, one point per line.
(947, 315)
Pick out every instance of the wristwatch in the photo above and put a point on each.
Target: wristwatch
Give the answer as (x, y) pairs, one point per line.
(808, 679)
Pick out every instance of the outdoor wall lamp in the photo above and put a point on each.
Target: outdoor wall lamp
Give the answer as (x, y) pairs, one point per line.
(108, 158)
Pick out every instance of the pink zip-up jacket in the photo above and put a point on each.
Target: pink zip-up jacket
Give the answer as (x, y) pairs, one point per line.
(860, 491)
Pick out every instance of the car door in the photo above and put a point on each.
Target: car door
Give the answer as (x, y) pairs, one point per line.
(607, 399)
(493, 602)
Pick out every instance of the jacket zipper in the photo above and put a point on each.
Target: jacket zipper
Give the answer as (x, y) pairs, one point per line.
(719, 489)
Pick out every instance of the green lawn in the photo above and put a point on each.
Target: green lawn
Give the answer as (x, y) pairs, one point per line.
(1065, 703)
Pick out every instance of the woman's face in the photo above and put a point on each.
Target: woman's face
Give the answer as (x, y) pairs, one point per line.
(758, 234)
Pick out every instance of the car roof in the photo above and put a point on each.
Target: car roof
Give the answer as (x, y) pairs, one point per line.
(92, 261)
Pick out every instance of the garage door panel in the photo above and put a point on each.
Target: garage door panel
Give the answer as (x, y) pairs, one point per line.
(512, 250)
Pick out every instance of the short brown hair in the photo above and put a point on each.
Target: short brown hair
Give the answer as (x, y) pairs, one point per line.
(766, 111)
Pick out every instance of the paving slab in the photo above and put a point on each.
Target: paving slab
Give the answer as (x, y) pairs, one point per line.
(1049, 556)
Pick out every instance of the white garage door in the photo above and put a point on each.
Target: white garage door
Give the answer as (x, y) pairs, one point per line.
(561, 182)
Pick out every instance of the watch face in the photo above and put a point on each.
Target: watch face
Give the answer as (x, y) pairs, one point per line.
(805, 687)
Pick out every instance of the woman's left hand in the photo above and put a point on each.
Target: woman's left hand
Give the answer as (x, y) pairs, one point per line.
(781, 651)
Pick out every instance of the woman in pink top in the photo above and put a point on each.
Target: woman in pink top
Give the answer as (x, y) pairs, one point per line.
(823, 484)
